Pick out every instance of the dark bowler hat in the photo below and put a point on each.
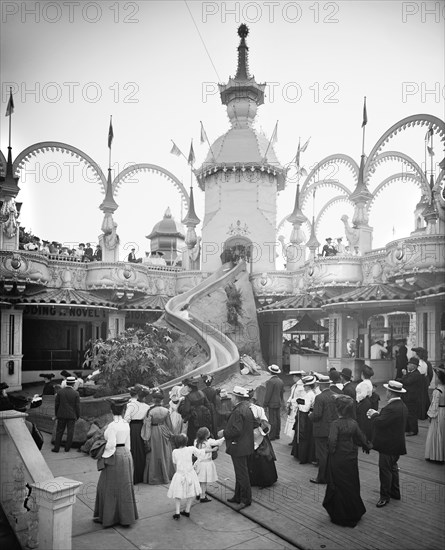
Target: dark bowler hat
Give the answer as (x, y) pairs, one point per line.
(329, 239)
(3, 386)
(413, 361)
(48, 375)
(334, 375)
(119, 400)
(65, 373)
(346, 373)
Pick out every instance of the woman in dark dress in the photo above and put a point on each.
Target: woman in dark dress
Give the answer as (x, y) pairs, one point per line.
(303, 446)
(342, 499)
(195, 410)
(261, 464)
(211, 395)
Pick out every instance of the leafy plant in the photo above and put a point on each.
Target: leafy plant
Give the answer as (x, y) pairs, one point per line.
(135, 356)
(234, 304)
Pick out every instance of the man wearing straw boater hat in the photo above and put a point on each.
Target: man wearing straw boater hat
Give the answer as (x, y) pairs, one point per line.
(239, 437)
(389, 440)
(273, 401)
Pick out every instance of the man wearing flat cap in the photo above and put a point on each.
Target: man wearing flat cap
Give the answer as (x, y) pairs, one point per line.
(389, 440)
(273, 401)
(239, 437)
(67, 407)
(413, 382)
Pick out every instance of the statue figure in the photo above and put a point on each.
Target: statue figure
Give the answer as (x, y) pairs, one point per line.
(8, 217)
(195, 252)
(352, 233)
(111, 238)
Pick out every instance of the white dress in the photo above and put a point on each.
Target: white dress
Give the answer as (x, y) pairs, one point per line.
(297, 391)
(205, 466)
(185, 482)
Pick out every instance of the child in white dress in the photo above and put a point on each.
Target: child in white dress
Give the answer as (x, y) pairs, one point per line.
(204, 466)
(185, 483)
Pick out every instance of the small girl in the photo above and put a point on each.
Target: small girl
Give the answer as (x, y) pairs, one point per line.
(205, 467)
(185, 483)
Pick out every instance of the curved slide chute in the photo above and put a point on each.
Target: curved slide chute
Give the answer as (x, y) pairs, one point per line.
(223, 353)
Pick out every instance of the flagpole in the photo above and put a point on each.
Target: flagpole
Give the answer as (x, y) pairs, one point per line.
(180, 150)
(111, 142)
(270, 141)
(207, 139)
(426, 155)
(365, 121)
(10, 119)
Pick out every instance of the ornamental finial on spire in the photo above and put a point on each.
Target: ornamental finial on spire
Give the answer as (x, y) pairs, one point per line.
(242, 72)
(243, 30)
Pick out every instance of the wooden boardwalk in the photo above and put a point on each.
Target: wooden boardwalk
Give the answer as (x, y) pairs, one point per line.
(292, 508)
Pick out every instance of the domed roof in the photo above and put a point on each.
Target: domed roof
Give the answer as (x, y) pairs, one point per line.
(242, 146)
(168, 227)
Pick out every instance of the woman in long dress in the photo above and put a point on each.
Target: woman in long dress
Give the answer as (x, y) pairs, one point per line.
(135, 413)
(195, 410)
(211, 394)
(303, 446)
(115, 500)
(296, 391)
(426, 369)
(342, 498)
(435, 439)
(261, 464)
(363, 393)
(156, 432)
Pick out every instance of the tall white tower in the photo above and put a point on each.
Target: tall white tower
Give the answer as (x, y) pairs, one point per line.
(241, 177)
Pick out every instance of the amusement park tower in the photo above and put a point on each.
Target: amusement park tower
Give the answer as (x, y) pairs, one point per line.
(241, 177)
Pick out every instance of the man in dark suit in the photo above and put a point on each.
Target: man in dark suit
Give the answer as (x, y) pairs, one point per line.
(349, 387)
(324, 413)
(238, 434)
(273, 401)
(67, 407)
(389, 440)
(413, 381)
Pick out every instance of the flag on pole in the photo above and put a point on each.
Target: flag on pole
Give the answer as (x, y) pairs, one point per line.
(365, 114)
(203, 134)
(430, 151)
(274, 137)
(175, 150)
(297, 156)
(110, 134)
(303, 149)
(191, 158)
(10, 106)
(429, 134)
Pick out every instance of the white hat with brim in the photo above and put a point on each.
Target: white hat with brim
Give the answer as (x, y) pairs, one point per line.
(240, 391)
(297, 372)
(395, 386)
(71, 380)
(323, 379)
(274, 369)
(308, 380)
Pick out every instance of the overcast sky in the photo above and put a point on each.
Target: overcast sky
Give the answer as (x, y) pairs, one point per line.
(155, 65)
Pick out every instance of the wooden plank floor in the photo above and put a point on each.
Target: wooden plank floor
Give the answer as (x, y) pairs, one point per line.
(292, 508)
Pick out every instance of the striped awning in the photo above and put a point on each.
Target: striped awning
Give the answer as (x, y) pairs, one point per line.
(148, 303)
(67, 296)
(373, 293)
(435, 290)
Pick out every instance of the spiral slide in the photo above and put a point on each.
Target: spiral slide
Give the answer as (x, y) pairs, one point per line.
(223, 353)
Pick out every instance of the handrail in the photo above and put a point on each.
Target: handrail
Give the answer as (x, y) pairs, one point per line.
(222, 352)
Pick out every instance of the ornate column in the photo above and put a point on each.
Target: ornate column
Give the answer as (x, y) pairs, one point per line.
(191, 257)
(296, 250)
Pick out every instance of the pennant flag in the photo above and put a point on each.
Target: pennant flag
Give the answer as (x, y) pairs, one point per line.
(110, 134)
(442, 164)
(430, 151)
(303, 149)
(175, 150)
(274, 137)
(10, 106)
(429, 133)
(297, 156)
(191, 159)
(365, 114)
(203, 134)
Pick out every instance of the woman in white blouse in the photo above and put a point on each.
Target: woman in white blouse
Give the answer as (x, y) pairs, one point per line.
(115, 500)
(363, 394)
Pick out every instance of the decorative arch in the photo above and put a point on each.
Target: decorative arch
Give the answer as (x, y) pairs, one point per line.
(144, 167)
(327, 206)
(323, 183)
(395, 177)
(56, 146)
(413, 120)
(338, 158)
(237, 247)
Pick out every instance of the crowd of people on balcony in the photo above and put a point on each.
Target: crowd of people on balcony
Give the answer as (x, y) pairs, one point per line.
(332, 249)
(84, 252)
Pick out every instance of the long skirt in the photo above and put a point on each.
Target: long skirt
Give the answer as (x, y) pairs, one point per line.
(363, 421)
(303, 446)
(435, 439)
(261, 465)
(137, 450)
(115, 500)
(424, 400)
(159, 466)
(342, 499)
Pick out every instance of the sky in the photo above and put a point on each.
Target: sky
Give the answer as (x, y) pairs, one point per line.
(154, 66)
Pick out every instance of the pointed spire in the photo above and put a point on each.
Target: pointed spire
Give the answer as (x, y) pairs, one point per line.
(361, 192)
(191, 218)
(313, 243)
(8, 183)
(242, 72)
(109, 204)
(297, 216)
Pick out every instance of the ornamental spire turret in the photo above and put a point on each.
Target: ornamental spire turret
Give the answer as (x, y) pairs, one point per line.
(242, 72)
(297, 216)
(109, 204)
(313, 243)
(191, 218)
(360, 197)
